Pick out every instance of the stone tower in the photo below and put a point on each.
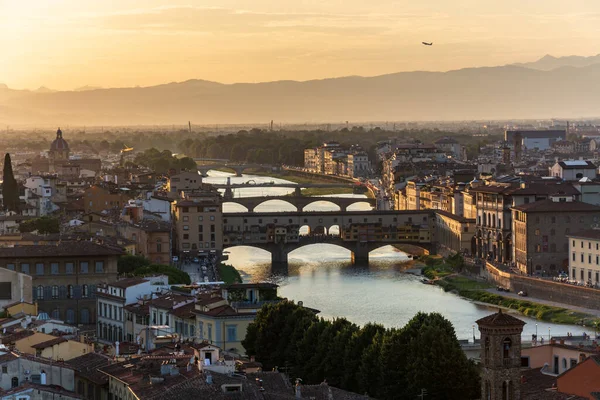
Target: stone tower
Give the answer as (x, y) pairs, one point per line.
(500, 356)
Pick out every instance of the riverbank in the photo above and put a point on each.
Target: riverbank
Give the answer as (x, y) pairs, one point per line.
(297, 178)
(446, 273)
(478, 291)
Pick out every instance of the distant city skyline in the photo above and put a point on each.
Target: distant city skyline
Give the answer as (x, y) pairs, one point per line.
(66, 44)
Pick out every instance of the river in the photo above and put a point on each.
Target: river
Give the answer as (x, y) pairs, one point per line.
(322, 277)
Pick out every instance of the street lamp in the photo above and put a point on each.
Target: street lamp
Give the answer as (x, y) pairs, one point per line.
(548, 333)
(536, 333)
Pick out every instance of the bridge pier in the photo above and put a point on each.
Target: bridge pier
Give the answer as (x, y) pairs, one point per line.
(279, 259)
(298, 191)
(360, 256)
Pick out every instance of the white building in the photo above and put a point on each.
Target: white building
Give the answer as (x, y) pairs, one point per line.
(114, 296)
(573, 170)
(158, 205)
(358, 164)
(584, 257)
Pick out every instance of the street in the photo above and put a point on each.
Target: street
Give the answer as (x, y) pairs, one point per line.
(198, 271)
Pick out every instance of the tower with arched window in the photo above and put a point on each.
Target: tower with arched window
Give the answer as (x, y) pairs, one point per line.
(500, 356)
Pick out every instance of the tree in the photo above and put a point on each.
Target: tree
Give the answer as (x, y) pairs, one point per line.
(43, 225)
(129, 263)
(10, 188)
(175, 275)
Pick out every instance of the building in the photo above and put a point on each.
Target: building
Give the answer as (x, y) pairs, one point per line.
(185, 181)
(112, 299)
(173, 312)
(59, 151)
(500, 356)
(91, 384)
(311, 160)
(59, 348)
(574, 170)
(223, 320)
(358, 164)
(152, 239)
(451, 147)
(15, 288)
(22, 369)
(98, 198)
(584, 259)
(455, 233)
(65, 276)
(198, 218)
(541, 229)
(582, 380)
(556, 356)
(533, 139)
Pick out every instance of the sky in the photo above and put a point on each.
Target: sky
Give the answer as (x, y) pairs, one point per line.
(66, 44)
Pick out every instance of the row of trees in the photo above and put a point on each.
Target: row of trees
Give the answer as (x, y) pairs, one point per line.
(10, 187)
(141, 266)
(163, 161)
(384, 363)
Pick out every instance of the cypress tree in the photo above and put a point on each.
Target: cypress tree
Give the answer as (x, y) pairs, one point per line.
(10, 188)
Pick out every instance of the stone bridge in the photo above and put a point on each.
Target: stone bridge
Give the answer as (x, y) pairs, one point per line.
(359, 231)
(300, 202)
(237, 168)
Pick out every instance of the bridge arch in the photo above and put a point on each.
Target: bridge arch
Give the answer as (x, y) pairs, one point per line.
(232, 206)
(307, 207)
(290, 207)
(334, 230)
(304, 230)
(358, 204)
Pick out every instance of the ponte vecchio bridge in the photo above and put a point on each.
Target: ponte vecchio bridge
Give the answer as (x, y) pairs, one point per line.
(359, 231)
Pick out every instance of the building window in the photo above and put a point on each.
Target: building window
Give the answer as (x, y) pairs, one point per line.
(186, 227)
(54, 268)
(537, 232)
(55, 292)
(40, 292)
(573, 243)
(85, 291)
(158, 247)
(186, 236)
(185, 245)
(99, 267)
(69, 268)
(582, 244)
(581, 274)
(10, 267)
(184, 209)
(574, 274)
(231, 333)
(70, 291)
(25, 268)
(589, 258)
(212, 217)
(83, 267)
(186, 218)
(39, 269)
(581, 257)
(200, 218)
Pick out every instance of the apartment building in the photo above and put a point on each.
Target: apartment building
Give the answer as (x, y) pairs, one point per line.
(65, 276)
(584, 256)
(541, 230)
(198, 218)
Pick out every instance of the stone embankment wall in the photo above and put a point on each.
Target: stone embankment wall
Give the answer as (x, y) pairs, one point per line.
(544, 289)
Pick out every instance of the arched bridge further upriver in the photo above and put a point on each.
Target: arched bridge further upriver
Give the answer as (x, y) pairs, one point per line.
(360, 231)
(300, 202)
(237, 168)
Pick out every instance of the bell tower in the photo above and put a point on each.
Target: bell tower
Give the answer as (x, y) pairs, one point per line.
(500, 356)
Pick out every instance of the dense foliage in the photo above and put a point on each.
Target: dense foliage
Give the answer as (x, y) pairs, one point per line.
(385, 363)
(140, 266)
(43, 225)
(175, 275)
(163, 161)
(10, 188)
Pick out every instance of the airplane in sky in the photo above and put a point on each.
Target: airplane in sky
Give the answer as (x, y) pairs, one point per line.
(427, 44)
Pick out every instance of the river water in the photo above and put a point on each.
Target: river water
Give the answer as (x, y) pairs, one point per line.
(322, 276)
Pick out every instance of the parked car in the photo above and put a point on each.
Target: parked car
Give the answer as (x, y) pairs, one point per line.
(502, 289)
(522, 293)
(196, 260)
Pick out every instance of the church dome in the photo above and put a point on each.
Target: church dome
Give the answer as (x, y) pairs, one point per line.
(59, 144)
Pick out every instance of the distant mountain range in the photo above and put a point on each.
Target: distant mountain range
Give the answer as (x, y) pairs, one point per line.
(548, 62)
(531, 90)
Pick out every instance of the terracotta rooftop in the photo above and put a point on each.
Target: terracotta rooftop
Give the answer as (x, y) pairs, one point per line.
(64, 249)
(129, 282)
(16, 336)
(586, 234)
(221, 311)
(538, 386)
(27, 386)
(49, 343)
(87, 366)
(500, 319)
(550, 205)
(167, 301)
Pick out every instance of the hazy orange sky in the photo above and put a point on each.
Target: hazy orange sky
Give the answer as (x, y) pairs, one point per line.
(64, 44)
